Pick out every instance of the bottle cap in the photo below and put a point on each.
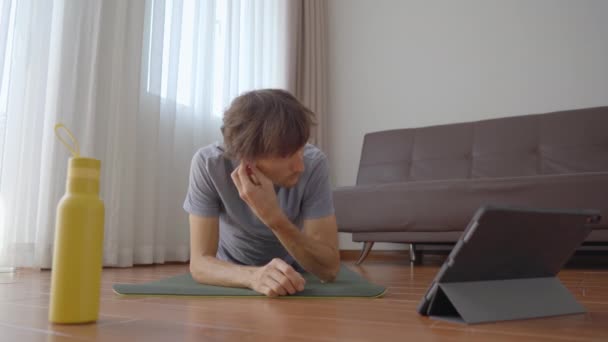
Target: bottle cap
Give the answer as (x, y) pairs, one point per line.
(79, 167)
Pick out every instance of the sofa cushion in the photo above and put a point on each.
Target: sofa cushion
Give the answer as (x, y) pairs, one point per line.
(597, 236)
(448, 205)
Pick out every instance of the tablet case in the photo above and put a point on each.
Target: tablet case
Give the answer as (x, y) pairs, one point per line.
(504, 266)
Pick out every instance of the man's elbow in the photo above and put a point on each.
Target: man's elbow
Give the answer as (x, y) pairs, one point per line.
(329, 277)
(331, 274)
(195, 270)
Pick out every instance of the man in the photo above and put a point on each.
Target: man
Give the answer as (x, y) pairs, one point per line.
(260, 204)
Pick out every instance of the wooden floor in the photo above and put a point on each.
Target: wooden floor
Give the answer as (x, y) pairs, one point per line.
(24, 300)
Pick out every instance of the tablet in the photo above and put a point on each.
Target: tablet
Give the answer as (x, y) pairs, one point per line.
(508, 243)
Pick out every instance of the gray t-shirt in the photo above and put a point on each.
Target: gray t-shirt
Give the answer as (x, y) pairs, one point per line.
(244, 239)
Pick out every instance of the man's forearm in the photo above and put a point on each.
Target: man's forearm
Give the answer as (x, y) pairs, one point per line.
(314, 256)
(212, 271)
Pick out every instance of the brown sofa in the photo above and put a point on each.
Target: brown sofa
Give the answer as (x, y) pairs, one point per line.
(422, 185)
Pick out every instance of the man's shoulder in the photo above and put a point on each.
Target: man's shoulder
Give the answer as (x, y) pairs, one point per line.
(211, 152)
(210, 157)
(313, 154)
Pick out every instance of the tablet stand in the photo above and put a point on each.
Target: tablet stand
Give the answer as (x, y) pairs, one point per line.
(497, 300)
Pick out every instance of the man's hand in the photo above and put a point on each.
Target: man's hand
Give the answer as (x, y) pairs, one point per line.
(260, 196)
(277, 278)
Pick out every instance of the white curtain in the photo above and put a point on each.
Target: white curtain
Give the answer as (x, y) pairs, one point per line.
(142, 84)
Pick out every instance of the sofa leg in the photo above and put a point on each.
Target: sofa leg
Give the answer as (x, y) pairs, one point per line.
(367, 247)
(415, 256)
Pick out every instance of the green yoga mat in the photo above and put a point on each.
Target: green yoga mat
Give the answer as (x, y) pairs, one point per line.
(347, 284)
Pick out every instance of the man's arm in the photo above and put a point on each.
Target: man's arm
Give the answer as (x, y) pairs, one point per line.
(276, 278)
(315, 248)
(204, 266)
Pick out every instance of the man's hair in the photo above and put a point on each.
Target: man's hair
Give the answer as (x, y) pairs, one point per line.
(265, 123)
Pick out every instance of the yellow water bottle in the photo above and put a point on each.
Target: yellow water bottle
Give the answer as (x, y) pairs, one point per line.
(78, 249)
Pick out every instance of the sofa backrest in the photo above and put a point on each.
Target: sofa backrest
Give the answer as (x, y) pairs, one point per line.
(571, 141)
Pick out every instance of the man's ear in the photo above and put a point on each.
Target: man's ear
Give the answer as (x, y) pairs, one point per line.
(248, 166)
(249, 170)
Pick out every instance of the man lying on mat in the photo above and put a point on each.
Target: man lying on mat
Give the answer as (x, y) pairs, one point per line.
(260, 204)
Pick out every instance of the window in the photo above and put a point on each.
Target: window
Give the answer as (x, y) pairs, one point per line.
(180, 23)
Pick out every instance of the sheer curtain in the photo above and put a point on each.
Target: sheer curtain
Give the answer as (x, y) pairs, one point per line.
(142, 84)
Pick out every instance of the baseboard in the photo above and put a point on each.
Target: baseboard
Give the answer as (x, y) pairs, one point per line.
(350, 254)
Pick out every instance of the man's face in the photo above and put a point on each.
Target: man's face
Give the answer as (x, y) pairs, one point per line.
(284, 172)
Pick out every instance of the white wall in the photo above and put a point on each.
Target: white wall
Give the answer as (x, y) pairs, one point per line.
(406, 63)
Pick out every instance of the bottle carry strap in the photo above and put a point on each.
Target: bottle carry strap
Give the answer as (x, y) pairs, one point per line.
(75, 149)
